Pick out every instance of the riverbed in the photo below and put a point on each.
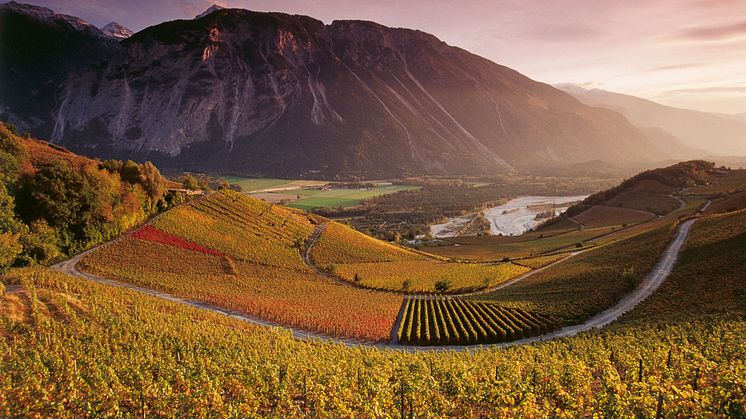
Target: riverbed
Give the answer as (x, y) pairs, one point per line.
(513, 218)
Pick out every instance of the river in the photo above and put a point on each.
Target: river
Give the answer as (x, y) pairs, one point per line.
(512, 218)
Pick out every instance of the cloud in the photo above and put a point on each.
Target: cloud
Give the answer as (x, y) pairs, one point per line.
(562, 33)
(712, 89)
(714, 32)
(675, 67)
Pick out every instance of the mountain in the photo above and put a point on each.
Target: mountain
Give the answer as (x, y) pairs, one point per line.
(117, 31)
(720, 134)
(213, 8)
(740, 116)
(276, 94)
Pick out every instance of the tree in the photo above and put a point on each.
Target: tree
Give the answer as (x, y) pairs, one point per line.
(189, 182)
(39, 244)
(10, 248)
(10, 230)
(152, 183)
(130, 172)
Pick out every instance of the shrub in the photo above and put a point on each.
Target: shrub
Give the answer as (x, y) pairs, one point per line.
(443, 285)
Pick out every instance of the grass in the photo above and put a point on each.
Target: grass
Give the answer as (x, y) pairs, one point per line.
(314, 198)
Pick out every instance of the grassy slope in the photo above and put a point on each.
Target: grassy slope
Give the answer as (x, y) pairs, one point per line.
(645, 201)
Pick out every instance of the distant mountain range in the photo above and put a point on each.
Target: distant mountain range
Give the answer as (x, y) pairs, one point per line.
(276, 94)
(719, 134)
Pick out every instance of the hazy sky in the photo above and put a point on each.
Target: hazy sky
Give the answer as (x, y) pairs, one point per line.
(687, 53)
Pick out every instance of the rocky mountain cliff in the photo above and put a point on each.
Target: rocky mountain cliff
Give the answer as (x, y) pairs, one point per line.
(276, 94)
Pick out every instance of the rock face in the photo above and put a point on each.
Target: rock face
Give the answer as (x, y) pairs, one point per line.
(270, 93)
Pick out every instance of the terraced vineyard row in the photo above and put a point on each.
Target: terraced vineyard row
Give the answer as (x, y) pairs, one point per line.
(242, 227)
(453, 321)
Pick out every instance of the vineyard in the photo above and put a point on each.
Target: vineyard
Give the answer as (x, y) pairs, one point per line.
(589, 282)
(245, 228)
(428, 275)
(430, 321)
(341, 244)
(70, 347)
(375, 264)
(290, 297)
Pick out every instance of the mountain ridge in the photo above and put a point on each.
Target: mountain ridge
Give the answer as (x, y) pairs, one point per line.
(287, 95)
(720, 134)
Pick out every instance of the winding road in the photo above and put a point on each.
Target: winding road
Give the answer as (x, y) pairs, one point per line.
(648, 285)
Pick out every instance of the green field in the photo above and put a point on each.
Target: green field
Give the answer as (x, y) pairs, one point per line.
(315, 198)
(263, 184)
(307, 194)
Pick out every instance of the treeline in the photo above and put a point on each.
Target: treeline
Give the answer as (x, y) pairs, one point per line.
(54, 203)
(680, 175)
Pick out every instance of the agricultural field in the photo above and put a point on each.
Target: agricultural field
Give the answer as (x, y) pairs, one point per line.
(342, 197)
(541, 261)
(589, 282)
(247, 229)
(104, 351)
(708, 281)
(656, 203)
(251, 185)
(494, 248)
(341, 244)
(733, 202)
(722, 183)
(430, 321)
(603, 216)
(372, 263)
(427, 275)
(291, 297)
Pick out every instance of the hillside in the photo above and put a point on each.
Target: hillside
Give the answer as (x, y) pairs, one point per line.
(54, 203)
(680, 353)
(270, 93)
(651, 190)
(719, 134)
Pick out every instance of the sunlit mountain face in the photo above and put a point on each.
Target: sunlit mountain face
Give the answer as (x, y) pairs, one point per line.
(288, 95)
(683, 54)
